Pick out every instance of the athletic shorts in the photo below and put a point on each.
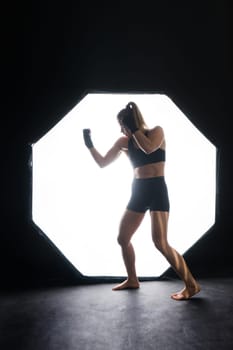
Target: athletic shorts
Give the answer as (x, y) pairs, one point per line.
(149, 194)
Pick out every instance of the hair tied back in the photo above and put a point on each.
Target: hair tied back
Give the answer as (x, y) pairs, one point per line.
(129, 106)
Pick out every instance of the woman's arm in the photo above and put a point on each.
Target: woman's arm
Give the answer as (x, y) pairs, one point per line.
(149, 143)
(111, 155)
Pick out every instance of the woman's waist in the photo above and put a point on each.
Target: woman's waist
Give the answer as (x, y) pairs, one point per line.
(149, 170)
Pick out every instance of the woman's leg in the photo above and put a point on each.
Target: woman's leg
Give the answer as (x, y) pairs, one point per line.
(128, 225)
(159, 220)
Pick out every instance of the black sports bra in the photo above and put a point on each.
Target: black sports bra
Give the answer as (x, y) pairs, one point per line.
(139, 158)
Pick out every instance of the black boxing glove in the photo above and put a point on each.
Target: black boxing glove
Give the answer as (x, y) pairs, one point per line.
(87, 138)
(129, 122)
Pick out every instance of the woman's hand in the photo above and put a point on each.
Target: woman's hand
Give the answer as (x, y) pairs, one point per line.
(87, 138)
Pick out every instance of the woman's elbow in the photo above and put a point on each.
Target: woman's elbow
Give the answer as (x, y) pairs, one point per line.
(103, 164)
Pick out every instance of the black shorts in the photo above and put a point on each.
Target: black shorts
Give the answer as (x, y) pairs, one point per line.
(149, 193)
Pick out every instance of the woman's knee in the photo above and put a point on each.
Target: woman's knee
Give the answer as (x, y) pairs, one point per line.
(122, 240)
(160, 244)
(157, 244)
(119, 240)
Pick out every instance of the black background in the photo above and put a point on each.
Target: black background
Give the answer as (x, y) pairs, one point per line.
(55, 53)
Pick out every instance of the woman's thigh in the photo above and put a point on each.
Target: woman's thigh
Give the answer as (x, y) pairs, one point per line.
(130, 222)
(159, 226)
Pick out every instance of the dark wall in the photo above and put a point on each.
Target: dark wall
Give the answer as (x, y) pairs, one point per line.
(60, 53)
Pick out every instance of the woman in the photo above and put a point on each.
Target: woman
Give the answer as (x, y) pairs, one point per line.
(146, 150)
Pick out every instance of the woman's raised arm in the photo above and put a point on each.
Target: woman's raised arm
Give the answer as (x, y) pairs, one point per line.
(111, 155)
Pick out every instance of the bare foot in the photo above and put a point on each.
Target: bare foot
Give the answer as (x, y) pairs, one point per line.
(127, 285)
(186, 293)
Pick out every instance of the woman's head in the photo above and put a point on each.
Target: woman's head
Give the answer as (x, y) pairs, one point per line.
(132, 109)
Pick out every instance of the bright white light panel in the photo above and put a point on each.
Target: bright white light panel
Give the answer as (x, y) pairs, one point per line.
(79, 206)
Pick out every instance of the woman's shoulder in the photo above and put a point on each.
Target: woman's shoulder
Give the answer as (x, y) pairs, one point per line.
(122, 142)
(156, 129)
(156, 135)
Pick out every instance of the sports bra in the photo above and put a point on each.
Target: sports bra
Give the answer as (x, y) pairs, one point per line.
(139, 158)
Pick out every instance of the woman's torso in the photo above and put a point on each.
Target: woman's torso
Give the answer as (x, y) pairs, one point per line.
(153, 169)
(149, 170)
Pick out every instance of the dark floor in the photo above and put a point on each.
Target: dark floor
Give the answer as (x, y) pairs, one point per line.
(96, 318)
